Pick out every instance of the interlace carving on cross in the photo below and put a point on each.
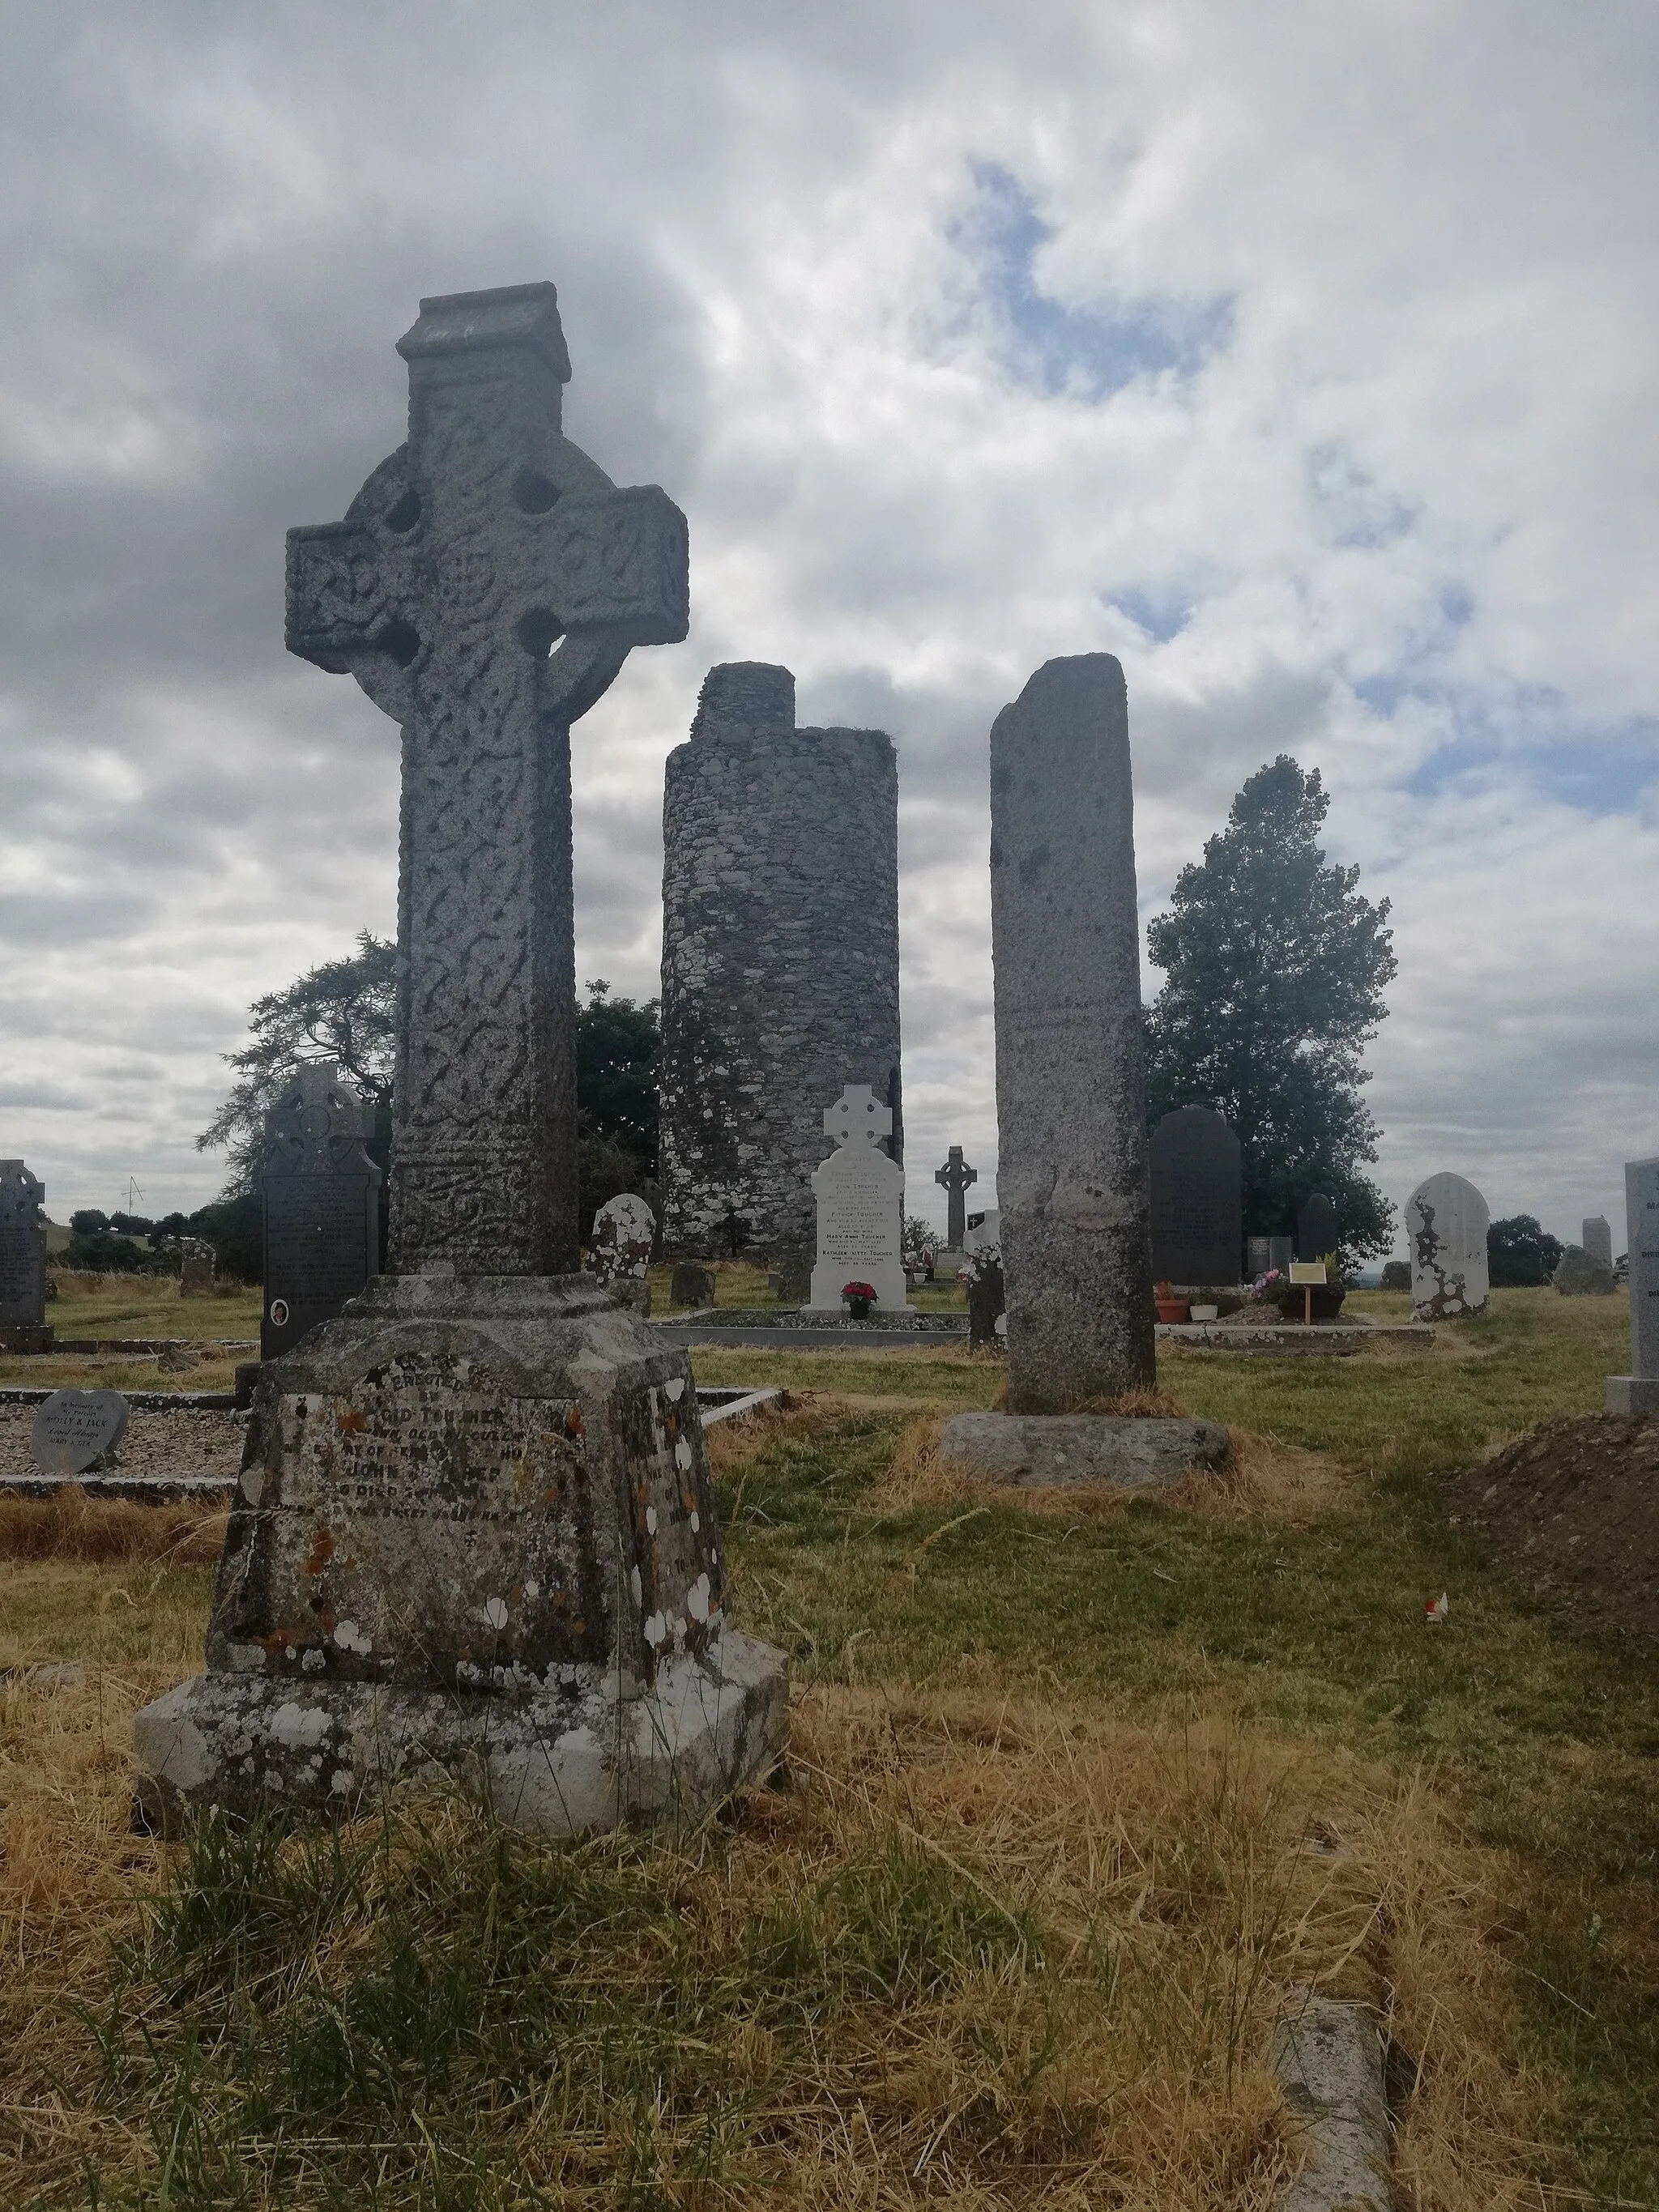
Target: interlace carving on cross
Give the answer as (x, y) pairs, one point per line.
(857, 1117)
(484, 588)
(569, 556)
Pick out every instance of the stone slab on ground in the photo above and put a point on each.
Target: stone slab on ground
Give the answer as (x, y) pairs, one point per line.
(1043, 1450)
(577, 1756)
(828, 1339)
(909, 1319)
(130, 1489)
(1329, 2059)
(1327, 1339)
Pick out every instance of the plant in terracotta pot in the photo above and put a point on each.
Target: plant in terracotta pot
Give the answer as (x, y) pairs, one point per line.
(1169, 1307)
(860, 1297)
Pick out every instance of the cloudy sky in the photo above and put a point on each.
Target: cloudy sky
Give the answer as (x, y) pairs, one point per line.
(1301, 356)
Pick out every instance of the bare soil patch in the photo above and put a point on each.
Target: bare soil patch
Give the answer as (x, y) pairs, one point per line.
(1573, 1510)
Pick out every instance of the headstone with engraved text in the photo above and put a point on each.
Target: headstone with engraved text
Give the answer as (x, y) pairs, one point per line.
(76, 1429)
(321, 1195)
(861, 1202)
(475, 1534)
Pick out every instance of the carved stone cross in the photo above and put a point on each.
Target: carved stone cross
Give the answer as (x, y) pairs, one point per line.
(955, 1176)
(484, 588)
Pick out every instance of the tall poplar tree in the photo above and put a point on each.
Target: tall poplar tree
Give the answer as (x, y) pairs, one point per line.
(1274, 970)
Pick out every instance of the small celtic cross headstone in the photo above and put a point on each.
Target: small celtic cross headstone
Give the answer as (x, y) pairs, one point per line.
(955, 1176)
(484, 588)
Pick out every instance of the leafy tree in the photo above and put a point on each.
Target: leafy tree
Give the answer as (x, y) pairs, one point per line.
(1274, 971)
(89, 1221)
(101, 1251)
(346, 1010)
(1521, 1252)
(618, 1045)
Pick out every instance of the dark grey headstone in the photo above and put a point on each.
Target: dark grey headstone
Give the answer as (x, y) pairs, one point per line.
(22, 1249)
(1071, 1056)
(986, 1302)
(322, 1195)
(197, 1267)
(1315, 1227)
(74, 1429)
(1198, 1221)
(466, 555)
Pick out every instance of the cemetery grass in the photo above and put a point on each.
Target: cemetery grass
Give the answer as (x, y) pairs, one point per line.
(114, 1306)
(1077, 1791)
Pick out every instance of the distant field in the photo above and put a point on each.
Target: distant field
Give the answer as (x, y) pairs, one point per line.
(1080, 1788)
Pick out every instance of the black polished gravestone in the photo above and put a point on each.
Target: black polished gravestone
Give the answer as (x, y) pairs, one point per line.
(1315, 1227)
(22, 1260)
(321, 1195)
(1197, 1199)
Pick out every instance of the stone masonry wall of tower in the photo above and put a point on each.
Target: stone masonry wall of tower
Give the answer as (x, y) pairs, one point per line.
(780, 965)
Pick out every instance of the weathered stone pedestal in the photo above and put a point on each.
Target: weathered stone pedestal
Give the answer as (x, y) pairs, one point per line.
(474, 1544)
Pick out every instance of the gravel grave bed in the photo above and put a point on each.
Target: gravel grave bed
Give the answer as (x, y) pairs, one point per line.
(187, 1442)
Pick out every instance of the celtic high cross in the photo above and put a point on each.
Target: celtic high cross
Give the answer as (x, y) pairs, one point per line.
(956, 1175)
(484, 588)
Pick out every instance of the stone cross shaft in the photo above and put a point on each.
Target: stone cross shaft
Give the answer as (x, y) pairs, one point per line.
(484, 588)
(954, 1178)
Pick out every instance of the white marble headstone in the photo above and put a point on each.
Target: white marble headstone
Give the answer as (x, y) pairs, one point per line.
(619, 1249)
(1446, 1221)
(860, 1200)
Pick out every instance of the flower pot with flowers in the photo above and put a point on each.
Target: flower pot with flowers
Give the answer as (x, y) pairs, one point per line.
(1169, 1307)
(860, 1297)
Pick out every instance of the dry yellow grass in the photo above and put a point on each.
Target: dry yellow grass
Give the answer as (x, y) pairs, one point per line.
(1118, 1917)
(69, 1525)
(981, 1952)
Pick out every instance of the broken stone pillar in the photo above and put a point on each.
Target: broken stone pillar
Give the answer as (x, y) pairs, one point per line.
(474, 1538)
(1071, 1083)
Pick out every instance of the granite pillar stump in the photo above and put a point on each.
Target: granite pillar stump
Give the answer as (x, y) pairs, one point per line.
(1072, 1179)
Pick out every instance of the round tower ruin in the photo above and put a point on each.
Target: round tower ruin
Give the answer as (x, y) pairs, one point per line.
(780, 960)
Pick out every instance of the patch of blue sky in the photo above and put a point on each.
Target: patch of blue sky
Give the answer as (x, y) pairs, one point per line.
(1162, 615)
(1359, 513)
(1097, 350)
(1594, 771)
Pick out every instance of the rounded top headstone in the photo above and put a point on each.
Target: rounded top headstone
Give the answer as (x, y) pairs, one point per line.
(74, 1429)
(1447, 1220)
